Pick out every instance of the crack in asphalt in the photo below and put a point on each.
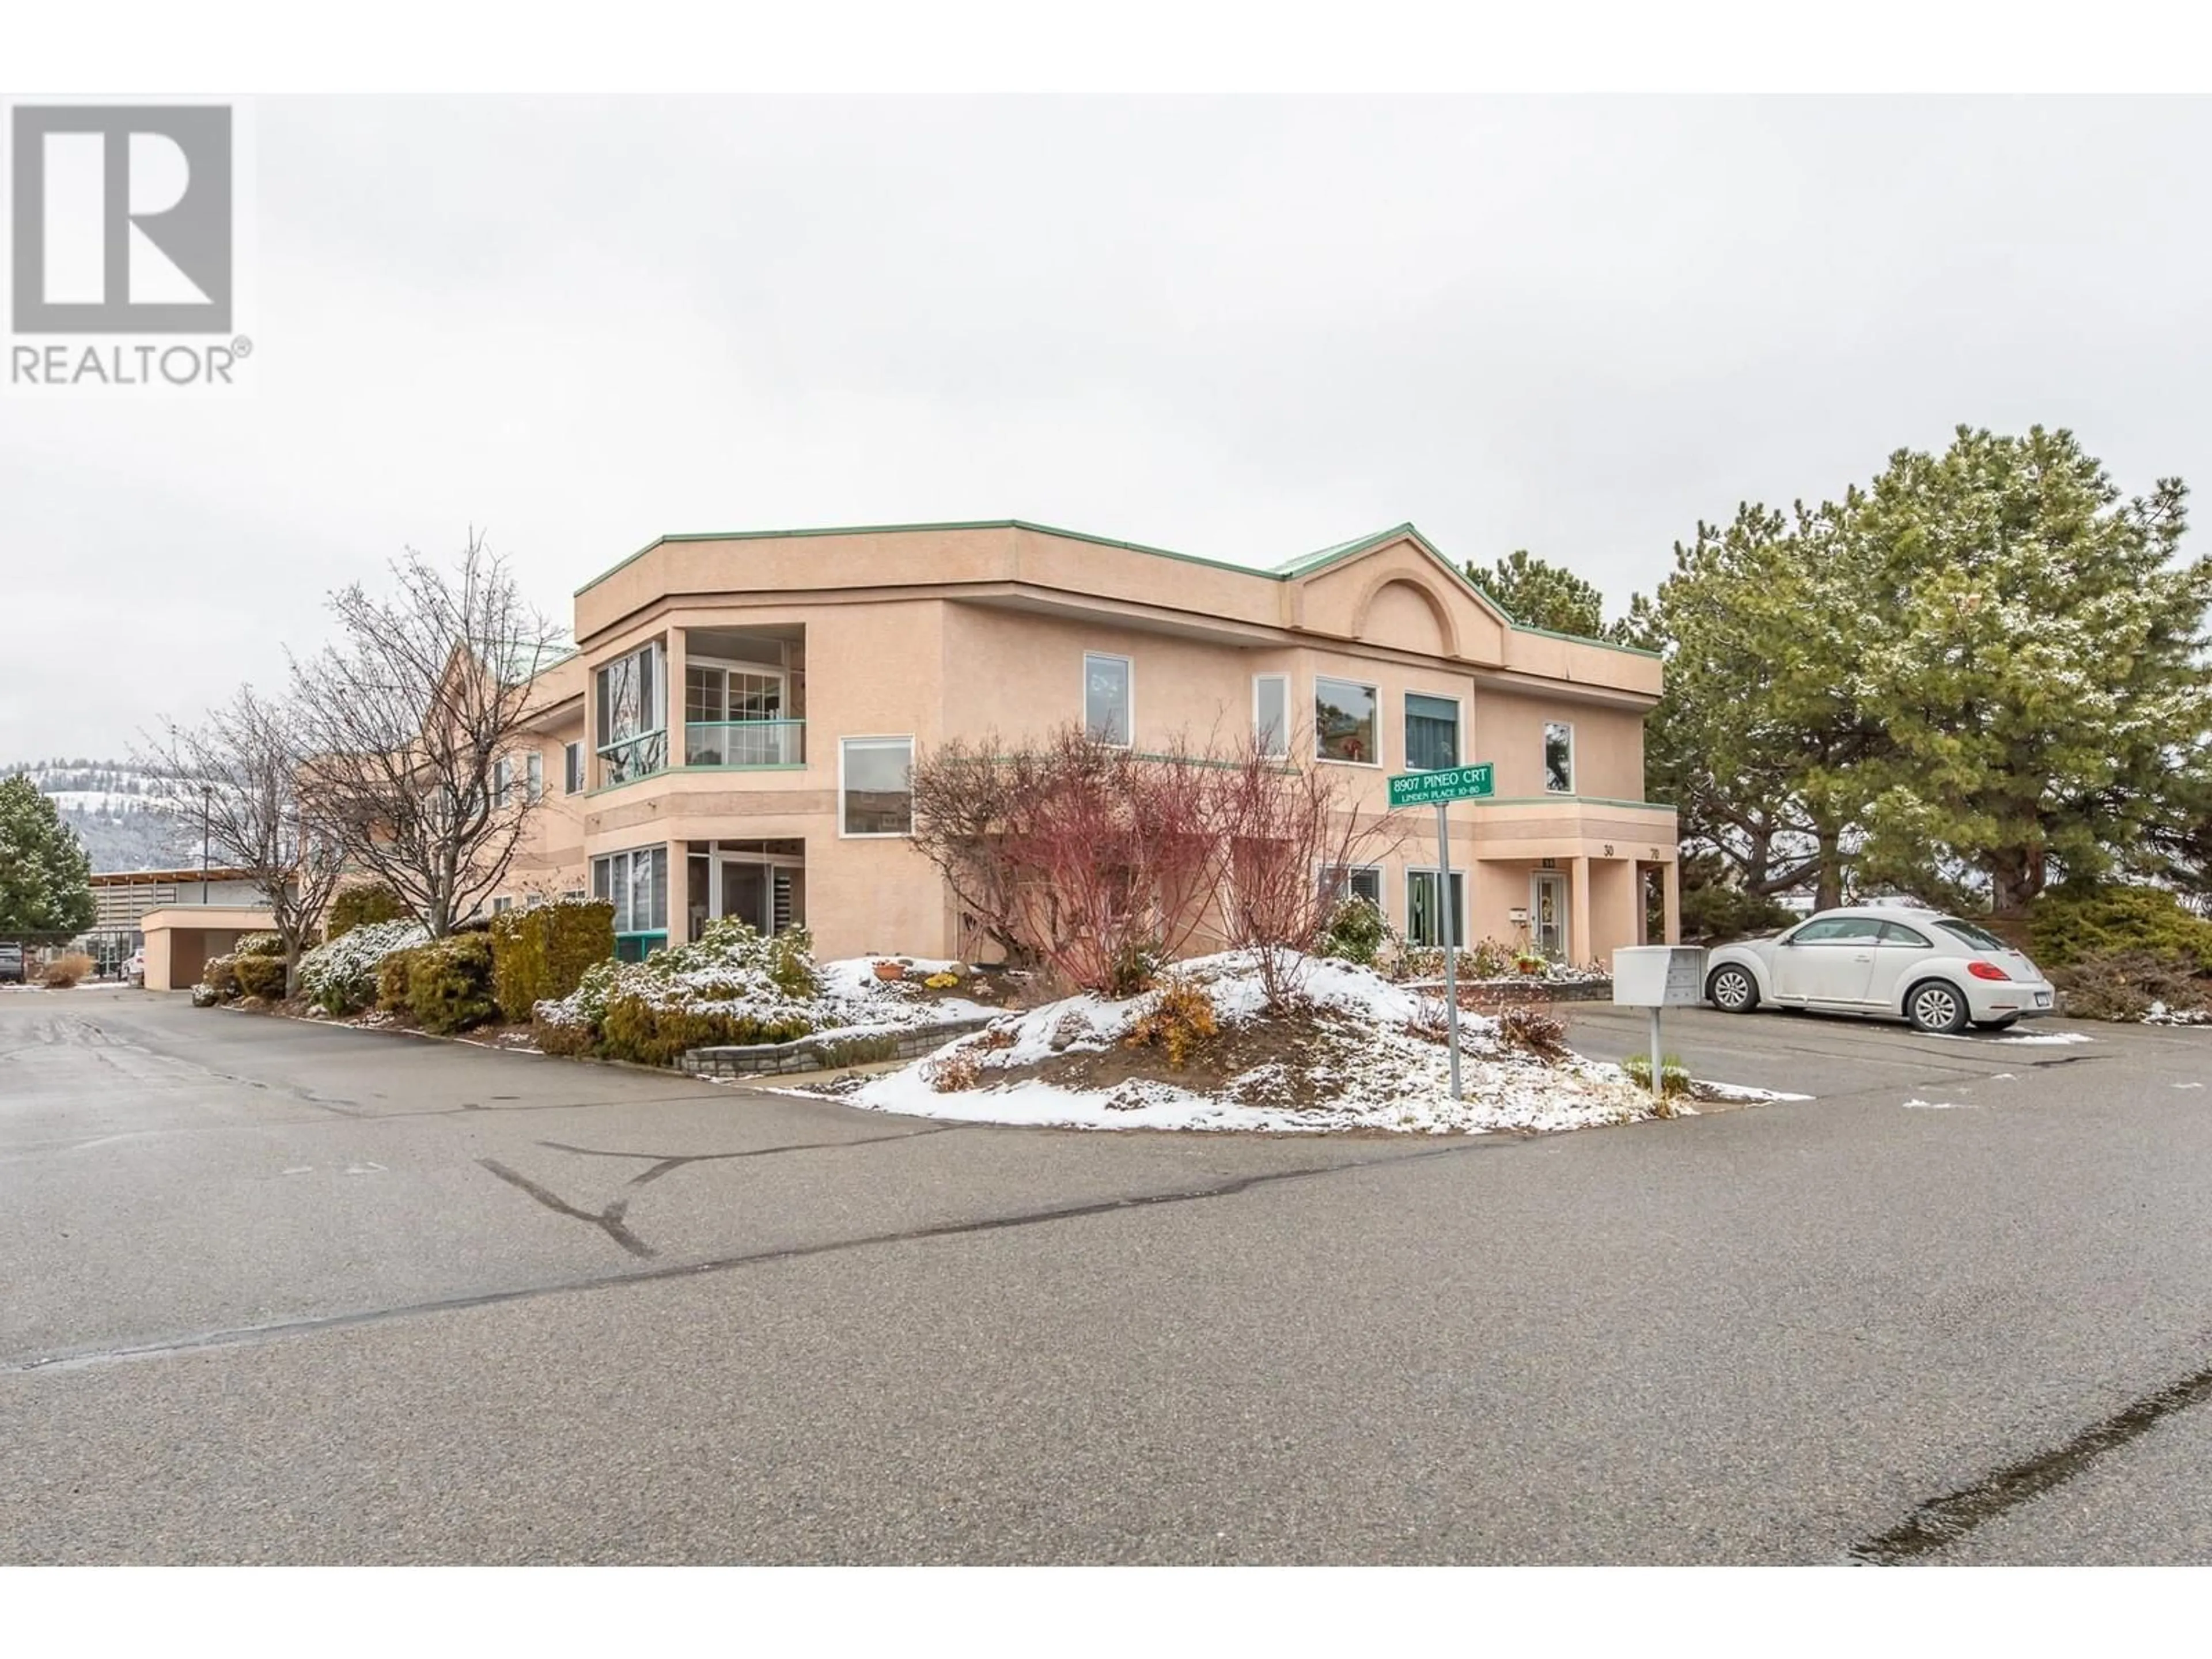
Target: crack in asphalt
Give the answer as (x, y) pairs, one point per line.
(254, 1335)
(608, 1221)
(664, 1162)
(1941, 1521)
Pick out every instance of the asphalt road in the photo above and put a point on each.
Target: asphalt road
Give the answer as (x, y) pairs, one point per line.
(274, 1291)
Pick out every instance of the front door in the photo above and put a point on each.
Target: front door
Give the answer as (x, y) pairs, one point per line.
(1547, 915)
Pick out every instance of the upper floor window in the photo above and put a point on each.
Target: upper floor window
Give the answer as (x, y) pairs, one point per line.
(875, 787)
(1106, 710)
(1271, 714)
(1345, 722)
(1432, 732)
(629, 710)
(1559, 757)
(572, 768)
(502, 781)
(533, 775)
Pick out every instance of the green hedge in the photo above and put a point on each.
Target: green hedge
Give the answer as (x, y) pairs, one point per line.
(356, 906)
(259, 976)
(542, 952)
(651, 1033)
(221, 976)
(446, 984)
(2076, 924)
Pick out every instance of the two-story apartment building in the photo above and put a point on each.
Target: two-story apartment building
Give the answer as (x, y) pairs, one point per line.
(732, 734)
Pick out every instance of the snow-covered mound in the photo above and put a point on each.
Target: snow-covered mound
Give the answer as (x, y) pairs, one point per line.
(1366, 1055)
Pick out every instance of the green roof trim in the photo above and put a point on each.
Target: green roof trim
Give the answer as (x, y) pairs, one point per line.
(1304, 565)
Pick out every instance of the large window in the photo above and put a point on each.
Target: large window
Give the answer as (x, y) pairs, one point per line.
(631, 712)
(1345, 723)
(1271, 714)
(1425, 916)
(637, 883)
(1559, 757)
(875, 790)
(1106, 712)
(1432, 732)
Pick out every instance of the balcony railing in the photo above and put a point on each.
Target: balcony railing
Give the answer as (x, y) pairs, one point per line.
(632, 758)
(744, 743)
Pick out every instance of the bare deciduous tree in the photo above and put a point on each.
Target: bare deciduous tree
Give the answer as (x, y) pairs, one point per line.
(408, 715)
(242, 765)
(1291, 838)
(1094, 859)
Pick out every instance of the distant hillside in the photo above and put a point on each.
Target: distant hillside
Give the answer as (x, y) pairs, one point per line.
(118, 812)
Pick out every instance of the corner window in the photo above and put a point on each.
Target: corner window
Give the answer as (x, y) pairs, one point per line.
(1424, 913)
(572, 768)
(637, 883)
(1106, 712)
(1559, 757)
(1432, 732)
(629, 709)
(1271, 714)
(533, 775)
(875, 789)
(1344, 722)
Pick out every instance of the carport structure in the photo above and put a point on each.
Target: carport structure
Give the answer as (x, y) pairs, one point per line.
(180, 938)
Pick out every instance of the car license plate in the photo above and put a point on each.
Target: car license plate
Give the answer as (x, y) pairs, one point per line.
(2042, 999)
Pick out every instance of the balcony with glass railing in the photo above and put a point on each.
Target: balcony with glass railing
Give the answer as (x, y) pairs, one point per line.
(758, 743)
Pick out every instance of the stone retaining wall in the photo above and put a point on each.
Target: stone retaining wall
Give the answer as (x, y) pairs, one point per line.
(825, 1050)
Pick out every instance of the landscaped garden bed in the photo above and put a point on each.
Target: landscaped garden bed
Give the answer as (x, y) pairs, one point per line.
(1217, 1043)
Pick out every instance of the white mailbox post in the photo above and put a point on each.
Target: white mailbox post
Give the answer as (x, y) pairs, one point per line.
(1658, 976)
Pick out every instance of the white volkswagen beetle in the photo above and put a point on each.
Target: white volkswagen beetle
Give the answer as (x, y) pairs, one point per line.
(1938, 971)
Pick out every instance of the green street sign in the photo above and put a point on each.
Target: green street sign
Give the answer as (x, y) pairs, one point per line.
(1451, 783)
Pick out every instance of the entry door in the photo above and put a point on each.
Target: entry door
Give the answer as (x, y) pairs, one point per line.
(1827, 963)
(1547, 913)
(745, 894)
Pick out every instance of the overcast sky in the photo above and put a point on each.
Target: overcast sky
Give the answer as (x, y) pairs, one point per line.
(1245, 328)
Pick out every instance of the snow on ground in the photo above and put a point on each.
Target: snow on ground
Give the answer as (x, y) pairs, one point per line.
(1941, 1105)
(2044, 1037)
(862, 1003)
(1371, 1073)
(2158, 1014)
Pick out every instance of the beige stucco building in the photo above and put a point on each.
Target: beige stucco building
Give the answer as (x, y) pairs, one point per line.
(731, 736)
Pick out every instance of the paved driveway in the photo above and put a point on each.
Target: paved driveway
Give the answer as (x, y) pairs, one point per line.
(272, 1291)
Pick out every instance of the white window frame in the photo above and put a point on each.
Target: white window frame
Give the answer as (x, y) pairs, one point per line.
(1322, 872)
(1128, 697)
(1374, 690)
(502, 781)
(1459, 921)
(572, 777)
(1544, 759)
(1459, 724)
(625, 858)
(533, 775)
(1283, 736)
(502, 905)
(843, 833)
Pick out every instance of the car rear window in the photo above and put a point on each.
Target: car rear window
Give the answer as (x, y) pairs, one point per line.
(1980, 938)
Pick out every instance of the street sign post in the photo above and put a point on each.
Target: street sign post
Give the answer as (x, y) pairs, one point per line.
(1438, 789)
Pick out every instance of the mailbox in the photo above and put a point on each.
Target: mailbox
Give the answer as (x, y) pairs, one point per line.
(1659, 977)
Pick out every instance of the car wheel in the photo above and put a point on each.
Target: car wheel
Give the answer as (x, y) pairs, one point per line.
(1732, 990)
(1936, 1006)
(2004, 1025)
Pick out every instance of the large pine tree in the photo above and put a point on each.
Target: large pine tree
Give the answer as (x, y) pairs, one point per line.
(46, 880)
(2031, 645)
